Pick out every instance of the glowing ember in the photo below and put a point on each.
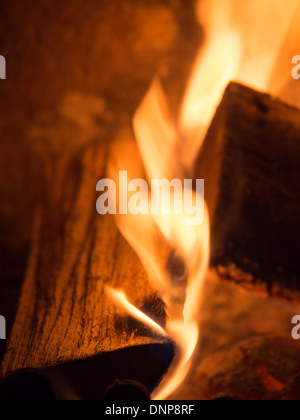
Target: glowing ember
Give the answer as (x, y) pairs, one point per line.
(243, 43)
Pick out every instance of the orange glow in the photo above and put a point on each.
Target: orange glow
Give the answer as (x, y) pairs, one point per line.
(159, 143)
(270, 383)
(249, 41)
(152, 125)
(243, 42)
(150, 128)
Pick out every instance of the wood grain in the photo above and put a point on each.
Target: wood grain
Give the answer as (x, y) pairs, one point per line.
(250, 163)
(64, 313)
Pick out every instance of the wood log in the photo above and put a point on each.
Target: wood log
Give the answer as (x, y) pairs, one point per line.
(64, 312)
(250, 163)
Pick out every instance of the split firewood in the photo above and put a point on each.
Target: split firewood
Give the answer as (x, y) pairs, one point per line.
(64, 312)
(250, 163)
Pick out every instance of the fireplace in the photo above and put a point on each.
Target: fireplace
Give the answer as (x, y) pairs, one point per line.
(163, 255)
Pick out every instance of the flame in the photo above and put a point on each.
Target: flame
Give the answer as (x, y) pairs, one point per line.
(244, 41)
(153, 236)
(251, 42)
(120, 298)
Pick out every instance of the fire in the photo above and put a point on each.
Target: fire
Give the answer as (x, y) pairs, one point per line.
(153, 235)
(247, 42)
(251, 42)
(121, 299)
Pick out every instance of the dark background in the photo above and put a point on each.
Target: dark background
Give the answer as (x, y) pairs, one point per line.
(76, 72)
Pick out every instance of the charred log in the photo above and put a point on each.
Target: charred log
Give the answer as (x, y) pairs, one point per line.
(250, 163)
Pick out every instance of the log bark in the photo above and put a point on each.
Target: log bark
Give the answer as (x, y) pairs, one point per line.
(64, 313)
(250, 163)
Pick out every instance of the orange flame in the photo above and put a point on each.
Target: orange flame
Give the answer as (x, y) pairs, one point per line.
(245, 42)
(249, 41)
(146, 234)
(121, 299)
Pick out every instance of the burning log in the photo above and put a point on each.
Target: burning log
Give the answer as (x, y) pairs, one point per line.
(64, 312)
(250, 163)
